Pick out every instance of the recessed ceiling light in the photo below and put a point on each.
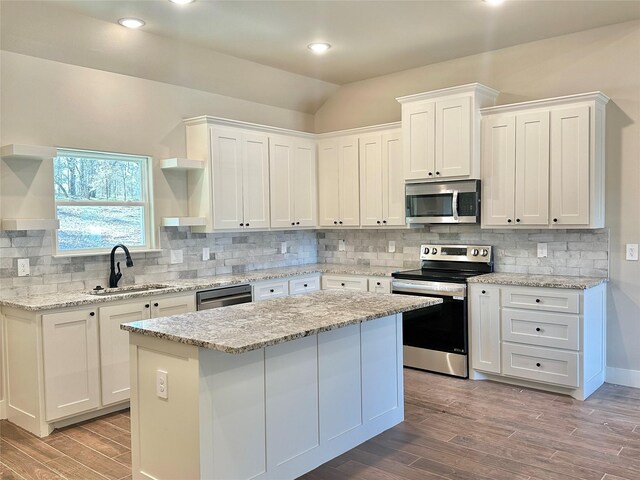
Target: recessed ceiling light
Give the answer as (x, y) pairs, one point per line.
(494, 2)
(182, 2)
(319, 48)
(131, 22)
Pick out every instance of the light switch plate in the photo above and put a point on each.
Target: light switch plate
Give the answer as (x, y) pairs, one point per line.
(632, 251)
(176, 256)
(542, 250)
(23, 267)
(206, 254)
(341, 246)
(392, 246)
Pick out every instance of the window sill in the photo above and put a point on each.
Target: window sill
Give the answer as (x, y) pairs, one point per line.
(98, 254)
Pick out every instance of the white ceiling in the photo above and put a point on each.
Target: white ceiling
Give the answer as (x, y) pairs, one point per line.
(369, 38)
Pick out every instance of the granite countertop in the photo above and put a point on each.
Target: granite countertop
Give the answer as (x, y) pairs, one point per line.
(548, 281)
(250, 326)
(73, 299)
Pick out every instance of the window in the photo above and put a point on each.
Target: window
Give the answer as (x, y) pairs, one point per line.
(102, 199)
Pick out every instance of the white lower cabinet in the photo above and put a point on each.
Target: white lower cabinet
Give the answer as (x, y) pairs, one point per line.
(71, 363)
(304, 284)
(380, 285)
(114, 342)
(270, 290)
(549, 338)
(345, 282)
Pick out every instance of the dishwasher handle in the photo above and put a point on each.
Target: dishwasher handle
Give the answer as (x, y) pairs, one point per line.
(221, 297)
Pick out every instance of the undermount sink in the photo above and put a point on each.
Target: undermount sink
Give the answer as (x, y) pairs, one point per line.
(149, 287)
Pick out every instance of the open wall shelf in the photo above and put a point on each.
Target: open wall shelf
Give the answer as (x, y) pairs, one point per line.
(177, 164)
(183, 221)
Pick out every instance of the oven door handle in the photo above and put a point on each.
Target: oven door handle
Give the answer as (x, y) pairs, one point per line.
(454, 204)
(402, 287)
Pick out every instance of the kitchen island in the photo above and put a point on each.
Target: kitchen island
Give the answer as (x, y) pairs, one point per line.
(265, 390)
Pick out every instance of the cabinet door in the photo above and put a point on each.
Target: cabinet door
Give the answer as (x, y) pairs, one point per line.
(371, 180)
(570, 158)
(453, 137)
(304, 185)
(226, 159)
(498, 170)
(114, 348)
(281, 171)
(532, 169)
(349, 188)
(70, 355)
(484, 317)
(393, 206)
(418, 132)
(332, 282)
(328, 181)
(255, 185)
(167, 306)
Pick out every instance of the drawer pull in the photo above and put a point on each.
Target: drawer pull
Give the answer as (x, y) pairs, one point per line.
(305, 285)
(147, 306)
(538, 329)
(378, 283)
(484, 291)
(272, 290)
(537, 300)
(538, 365)
(342, 284)
(92, 314)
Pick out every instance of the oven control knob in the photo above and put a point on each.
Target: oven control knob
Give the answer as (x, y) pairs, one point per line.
(485, 252)
(427, 250)
(434, 250)
(475, 252)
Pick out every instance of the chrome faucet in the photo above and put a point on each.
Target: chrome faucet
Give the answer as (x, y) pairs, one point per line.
(114, 277)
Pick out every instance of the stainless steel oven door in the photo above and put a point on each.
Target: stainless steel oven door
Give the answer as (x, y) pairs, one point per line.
(436, 338)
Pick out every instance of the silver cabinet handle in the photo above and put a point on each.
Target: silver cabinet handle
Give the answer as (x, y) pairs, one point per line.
(454, 206)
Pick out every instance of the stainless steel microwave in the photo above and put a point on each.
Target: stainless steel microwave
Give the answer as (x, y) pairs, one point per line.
(443, 202)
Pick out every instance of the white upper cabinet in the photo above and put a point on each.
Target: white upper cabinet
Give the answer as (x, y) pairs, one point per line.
(338, 179)
(381, 180)
(441, 132)
(543, 163)
(570, 154)
(515, 166)
(293, 182)
(231, 192)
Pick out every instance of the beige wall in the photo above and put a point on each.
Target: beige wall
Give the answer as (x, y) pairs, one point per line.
(606, 59)
(50, 103)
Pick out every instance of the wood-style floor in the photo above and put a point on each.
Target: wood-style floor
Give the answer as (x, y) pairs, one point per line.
(454, 429)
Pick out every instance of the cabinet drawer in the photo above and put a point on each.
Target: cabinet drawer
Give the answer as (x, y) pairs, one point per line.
(541, 364)
(380, 285)
(269, 290)
(540, 328)
(344, 282)
(304, 285)
(541, 299)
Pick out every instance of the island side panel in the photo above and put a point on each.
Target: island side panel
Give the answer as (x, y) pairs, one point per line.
(164, 432)
(232, 415)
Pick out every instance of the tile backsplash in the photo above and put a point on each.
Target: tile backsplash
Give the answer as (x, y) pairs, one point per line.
(228, 253)
(570, 252)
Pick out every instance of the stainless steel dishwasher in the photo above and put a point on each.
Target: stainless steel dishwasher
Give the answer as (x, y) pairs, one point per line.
(223, 297)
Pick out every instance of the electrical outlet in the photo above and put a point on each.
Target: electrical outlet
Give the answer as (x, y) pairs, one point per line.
(206, 255)
(162, 387)
(392, 246)
(176, 256)
(23, 267)
(632, 251)
(341, 246)
(542, 250)
(283, 247)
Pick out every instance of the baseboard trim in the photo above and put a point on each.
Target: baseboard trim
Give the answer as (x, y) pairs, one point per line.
(622, 376)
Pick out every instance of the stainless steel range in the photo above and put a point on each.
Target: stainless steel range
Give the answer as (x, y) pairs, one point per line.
(436, 338)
